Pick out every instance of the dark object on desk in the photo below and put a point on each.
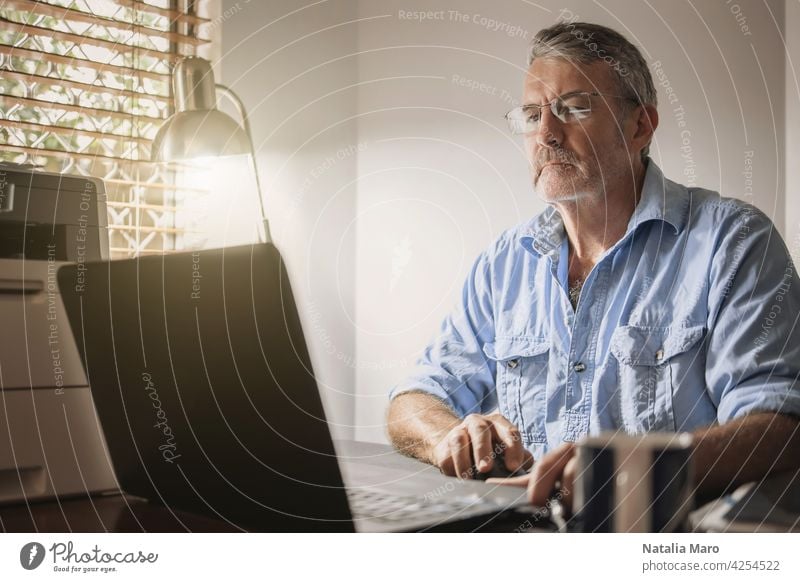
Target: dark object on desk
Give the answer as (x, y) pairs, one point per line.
(204, 387)
(498, 471)
(209, 404)
(628, 483)
(769, 505)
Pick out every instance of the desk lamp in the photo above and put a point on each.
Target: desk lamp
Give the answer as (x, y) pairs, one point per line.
(198, 129)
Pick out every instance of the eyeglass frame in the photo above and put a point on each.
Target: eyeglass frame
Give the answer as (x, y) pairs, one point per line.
(551, 105)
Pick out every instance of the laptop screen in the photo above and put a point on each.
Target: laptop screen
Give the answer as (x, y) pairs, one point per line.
(204, 387)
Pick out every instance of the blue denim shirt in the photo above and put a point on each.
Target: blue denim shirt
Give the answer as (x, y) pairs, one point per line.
(689, 320)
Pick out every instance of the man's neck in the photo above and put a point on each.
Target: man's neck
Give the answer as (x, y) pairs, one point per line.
(595, 223)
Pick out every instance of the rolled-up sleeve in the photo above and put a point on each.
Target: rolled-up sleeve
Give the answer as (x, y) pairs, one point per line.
(753, 355)
(453, 366)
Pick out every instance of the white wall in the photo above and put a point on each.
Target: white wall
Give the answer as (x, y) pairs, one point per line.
(302, 114)
(427, 172)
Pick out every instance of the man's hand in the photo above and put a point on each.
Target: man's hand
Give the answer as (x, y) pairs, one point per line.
(477, 443)
(723, 456)
(424, 427)
(557, 466)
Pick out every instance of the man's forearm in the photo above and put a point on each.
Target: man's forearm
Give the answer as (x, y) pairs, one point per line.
(745, 450)
(417, 422)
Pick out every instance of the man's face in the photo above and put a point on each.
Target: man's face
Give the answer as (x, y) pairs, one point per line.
(582, 158)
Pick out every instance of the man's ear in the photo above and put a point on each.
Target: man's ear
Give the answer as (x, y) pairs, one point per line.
(646, 124)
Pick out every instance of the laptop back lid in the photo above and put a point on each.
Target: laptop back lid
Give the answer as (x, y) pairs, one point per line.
(204, 387)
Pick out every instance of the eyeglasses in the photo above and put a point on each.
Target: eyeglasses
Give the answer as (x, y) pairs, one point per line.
(567, 108)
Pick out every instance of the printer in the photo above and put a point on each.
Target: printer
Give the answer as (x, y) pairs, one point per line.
(51, 443)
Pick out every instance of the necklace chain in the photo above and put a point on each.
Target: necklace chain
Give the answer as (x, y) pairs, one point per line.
(575, 292)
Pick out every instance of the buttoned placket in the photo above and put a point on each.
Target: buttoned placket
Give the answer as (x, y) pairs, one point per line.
(574, 417)
(583, 341)
(582, 352)
(580, 370)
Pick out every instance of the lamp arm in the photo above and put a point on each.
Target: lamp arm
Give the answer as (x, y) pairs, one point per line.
(237, 103)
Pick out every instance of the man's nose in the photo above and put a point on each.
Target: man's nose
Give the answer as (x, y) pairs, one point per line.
(550, 132)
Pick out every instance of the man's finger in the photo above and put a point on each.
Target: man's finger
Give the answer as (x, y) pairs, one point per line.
(447, 468)
(510, 437)
(480, 432)
(527, 462)
(548, 470)
(521, 481)
(461, 453)
(568, 482)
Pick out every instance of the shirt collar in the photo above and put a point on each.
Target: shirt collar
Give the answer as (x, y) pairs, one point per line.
(544, 234)
(661, 199)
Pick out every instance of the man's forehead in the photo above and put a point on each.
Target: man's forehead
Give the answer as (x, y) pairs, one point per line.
(549, 77)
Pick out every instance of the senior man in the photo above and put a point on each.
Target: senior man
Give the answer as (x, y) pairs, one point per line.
(631, 303)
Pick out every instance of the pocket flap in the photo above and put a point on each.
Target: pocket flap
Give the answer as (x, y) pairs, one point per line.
(652, 346)
(508, 348)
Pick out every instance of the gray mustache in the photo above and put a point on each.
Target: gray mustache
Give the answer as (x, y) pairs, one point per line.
(547, 156)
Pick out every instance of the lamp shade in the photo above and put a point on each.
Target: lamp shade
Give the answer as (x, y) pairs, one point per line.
(197, 129)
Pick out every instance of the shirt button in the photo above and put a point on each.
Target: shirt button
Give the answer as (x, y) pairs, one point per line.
(579, 367)
(513, 364)
(659, 354)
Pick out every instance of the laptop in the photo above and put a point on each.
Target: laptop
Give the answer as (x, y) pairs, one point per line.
(204, 388)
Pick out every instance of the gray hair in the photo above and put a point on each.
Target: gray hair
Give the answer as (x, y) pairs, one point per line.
(587, 43)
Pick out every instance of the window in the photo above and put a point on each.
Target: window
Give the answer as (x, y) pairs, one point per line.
(84, 86)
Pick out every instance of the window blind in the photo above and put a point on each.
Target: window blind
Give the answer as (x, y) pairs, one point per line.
(84, 87)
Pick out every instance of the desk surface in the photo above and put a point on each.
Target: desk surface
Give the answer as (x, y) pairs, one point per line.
(102, 513)
(125, 513)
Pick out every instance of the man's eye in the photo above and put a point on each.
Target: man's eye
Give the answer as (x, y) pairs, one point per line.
(532, 115)
(575, 109)
(579, 112)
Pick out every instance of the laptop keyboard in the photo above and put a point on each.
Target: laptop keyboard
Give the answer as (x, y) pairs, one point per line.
(366, 504)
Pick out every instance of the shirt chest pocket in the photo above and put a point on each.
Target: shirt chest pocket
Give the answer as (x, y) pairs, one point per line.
(650, 360)
(521, 380)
